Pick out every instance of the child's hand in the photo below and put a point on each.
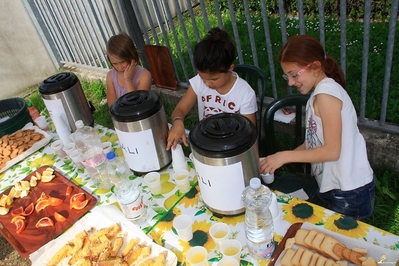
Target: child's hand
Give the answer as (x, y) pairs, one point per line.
(129, 70)
(271, 163)
(176, 133)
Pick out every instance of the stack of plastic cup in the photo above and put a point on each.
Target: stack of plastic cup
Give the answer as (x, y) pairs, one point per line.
(62, 128)
(178, 159)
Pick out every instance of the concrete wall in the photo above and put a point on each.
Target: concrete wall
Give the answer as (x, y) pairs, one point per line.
(24, 58)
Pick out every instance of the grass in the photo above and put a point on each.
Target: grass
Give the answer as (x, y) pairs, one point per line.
(354, 48)
(386, 211)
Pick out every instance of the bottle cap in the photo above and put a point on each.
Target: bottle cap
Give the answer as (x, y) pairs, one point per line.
(111, 155)
(255, 183)
(79, 124)
(29, 104)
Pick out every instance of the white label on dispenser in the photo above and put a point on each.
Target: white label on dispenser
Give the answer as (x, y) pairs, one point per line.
(221, 186)
(56, 111)
(139, 150)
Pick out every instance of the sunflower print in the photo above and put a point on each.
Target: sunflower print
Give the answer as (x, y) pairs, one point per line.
(191, 199)
(167, 222)
(201, 237)
(300, 211)
(157, 236)
(346, 225)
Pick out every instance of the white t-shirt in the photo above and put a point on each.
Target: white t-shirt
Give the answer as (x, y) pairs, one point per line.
(241, 98)
(352, 170)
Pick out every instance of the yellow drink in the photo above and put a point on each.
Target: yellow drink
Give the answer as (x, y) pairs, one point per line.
(220, 234)
(231, 251)
(180, 177)
(197, 258)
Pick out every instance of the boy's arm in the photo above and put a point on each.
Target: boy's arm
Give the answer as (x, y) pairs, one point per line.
(177, 131)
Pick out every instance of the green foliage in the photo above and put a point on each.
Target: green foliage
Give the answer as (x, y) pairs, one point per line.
(380, 9)
(386, 208)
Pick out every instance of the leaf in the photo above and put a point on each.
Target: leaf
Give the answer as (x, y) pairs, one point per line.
(159, 210)
(157, 217)
(200, 212)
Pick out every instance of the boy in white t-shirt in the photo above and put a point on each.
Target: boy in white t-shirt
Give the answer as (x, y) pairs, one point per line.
(216, 88)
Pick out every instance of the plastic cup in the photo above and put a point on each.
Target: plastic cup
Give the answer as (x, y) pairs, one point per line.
(183, 225)
(228, 261)
(69, 147)
(267, 178)
(182, 180)
(178, 155)
(76, 158)
(231, 248)
(219, 232)
(197, 256)
(41, 122)
(274, 209)
(107, 147)
(58, 146)
(153, 181)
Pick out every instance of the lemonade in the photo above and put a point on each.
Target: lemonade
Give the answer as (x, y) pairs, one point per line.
(231, 251)
(183, 183)
(220, 234)
(197, 258)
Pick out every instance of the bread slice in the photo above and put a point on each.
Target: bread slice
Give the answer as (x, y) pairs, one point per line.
(286, 259)
(369, 262)
(329, 262)
(355, 257)
(321, 261)
(297, 257)
(362, 251)
(317, 240)
(315, 256)
(327, 247)
(306, 257)
(346, 253)
(342, 263)
(338, 249)
(309, 238)
(289, 243)
(300, 237)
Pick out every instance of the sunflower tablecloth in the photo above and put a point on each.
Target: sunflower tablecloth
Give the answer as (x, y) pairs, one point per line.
(157, 206)
(293, 211)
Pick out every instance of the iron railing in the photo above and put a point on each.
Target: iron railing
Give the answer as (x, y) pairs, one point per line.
(76, 32)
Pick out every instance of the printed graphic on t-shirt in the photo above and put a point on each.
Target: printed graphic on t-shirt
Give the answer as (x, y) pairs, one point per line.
(313, 142)
(214, 104)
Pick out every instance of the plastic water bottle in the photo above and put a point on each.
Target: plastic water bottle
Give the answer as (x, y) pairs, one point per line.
(126, 191)
(258, 219)
(89, 145)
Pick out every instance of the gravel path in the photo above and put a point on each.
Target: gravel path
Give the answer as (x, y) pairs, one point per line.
(10, 257)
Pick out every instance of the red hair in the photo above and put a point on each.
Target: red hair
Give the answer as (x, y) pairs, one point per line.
(305, 49)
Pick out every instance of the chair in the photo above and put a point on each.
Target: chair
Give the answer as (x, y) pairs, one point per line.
(290, 182)
(257, 79)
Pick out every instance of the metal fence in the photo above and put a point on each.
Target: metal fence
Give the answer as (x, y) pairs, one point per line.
(76, 32)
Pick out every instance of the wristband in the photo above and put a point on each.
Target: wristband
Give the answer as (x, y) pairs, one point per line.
(177, 118)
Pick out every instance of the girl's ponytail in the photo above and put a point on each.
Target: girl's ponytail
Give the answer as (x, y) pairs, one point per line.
(334, 71)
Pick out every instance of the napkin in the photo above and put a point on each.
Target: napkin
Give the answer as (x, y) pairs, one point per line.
(281, 117)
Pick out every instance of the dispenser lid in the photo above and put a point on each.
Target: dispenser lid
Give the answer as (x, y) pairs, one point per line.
(223, 135)
(58, 83)
(135, 106)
